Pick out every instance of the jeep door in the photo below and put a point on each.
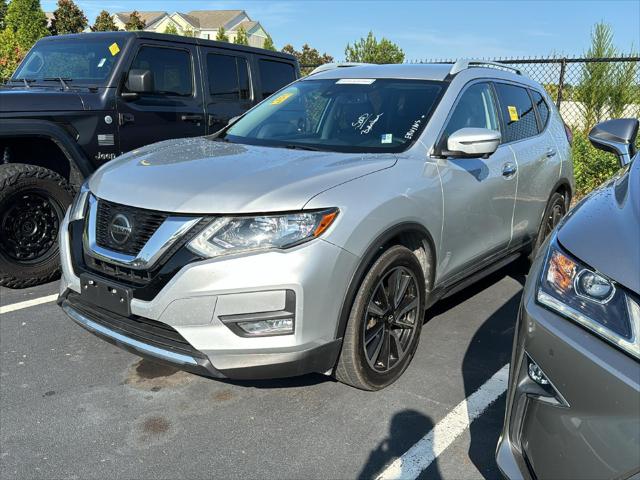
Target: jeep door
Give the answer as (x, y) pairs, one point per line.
(228, 89)
(479, 193)
(175, 107)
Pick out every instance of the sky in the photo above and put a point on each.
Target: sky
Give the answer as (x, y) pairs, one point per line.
(423, 29)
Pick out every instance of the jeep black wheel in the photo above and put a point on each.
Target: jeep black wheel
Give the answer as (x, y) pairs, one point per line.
(385, 322)
(32, 205)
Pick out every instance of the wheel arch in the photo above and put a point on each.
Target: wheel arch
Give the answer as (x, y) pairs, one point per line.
(410, 234)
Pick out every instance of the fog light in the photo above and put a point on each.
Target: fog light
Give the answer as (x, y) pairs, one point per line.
(279, 326)
(537, 375)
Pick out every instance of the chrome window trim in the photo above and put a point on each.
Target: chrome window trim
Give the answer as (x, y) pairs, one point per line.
(162, 239)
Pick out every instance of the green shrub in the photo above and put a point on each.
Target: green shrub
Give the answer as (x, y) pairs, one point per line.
(591, 167)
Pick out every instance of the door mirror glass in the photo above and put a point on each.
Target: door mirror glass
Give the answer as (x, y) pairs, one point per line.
(472, 142)
(616, 136)
(140, 81)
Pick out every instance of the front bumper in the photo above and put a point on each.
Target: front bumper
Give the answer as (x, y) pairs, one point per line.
(197, 301)
(590, 426)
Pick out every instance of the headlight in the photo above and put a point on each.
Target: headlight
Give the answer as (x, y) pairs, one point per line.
(79, 204)
(227, 235)
(589, 298)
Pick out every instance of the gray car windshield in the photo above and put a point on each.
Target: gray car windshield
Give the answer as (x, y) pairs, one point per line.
(344, 115)
(87, 61)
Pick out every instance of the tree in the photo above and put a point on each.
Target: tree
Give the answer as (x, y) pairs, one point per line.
(268, 44)
(221, 36)
(11, 53)
(369, 50)
(189, 33)
(241, 37)
(104, 23)
(171, 29)
(135, 22)
(27, 21)
(68, 18)
(308, 58)
(3, 13)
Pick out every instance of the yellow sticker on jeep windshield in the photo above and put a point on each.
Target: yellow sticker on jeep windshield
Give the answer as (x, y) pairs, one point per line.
(513, 113)
(281, 98)
(114, 49)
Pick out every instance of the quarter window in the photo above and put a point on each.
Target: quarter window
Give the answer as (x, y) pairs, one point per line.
(228, 77)
(517, 112)
(171, 68)
(542, 107)
(475, 109)
(275, 75)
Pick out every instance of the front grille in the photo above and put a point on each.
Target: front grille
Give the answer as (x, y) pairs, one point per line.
(130, 276)
(142, 329)
(143, 223)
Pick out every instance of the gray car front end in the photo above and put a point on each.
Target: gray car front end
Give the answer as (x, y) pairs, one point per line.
(356, 204)
(573, 405)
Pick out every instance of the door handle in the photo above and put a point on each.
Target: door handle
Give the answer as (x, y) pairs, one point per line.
(509, 170)
(192, 118)
(551, 153)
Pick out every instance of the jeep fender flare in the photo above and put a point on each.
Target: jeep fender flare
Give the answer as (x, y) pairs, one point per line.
(44, 128)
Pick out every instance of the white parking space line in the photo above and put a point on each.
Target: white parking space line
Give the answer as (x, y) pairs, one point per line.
(28, 303)
(429, 447)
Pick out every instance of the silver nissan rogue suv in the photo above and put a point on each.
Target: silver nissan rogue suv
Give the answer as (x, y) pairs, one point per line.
(311, 234)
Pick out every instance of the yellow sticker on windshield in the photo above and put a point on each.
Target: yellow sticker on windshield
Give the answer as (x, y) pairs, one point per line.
(513, 113)
(281, 98)
(114, 49)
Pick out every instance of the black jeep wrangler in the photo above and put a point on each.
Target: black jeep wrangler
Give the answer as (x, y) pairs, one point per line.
(78, 101)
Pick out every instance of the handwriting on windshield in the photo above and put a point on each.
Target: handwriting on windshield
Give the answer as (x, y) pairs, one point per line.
(365, 122)
(414, 128)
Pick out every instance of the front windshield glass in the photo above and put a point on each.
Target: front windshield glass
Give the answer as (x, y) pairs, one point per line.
(344, 115)
(87, 61)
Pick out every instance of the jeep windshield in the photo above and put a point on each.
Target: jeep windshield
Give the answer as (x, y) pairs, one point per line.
(86, 61)
(343, 115)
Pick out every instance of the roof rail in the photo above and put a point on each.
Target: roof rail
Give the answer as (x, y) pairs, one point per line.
(465, 63)
(330, 66)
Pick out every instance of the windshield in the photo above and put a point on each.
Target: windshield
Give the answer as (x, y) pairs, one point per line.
(344, 115)
(88, 61)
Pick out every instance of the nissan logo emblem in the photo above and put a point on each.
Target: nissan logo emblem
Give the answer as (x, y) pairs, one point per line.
(120, 229)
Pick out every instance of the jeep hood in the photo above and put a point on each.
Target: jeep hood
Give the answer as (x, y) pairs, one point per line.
(37, 99)
(200, 175)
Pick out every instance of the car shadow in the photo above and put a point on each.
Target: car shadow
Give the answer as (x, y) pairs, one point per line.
(407, 427)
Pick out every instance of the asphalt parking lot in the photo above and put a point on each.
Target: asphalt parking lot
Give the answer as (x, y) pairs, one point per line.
(73, 406)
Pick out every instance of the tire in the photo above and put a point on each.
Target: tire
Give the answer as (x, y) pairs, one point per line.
(556, 209)
(33, 201)
(372, 321)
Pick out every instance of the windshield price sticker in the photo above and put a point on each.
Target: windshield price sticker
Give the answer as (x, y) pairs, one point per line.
(114, 49)
(355, 81)
(281, 98)
(513, 113)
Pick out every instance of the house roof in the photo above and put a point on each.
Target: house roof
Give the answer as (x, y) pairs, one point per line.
(246, 24)
(147, 17)
(212, 19)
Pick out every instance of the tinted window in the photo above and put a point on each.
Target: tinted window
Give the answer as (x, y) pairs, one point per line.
(475, 109)
(274, 76)
(541, 106)
(517, 112)
(228, 77)
(171, 69)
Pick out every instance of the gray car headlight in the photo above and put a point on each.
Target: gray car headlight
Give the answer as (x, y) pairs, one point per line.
(589, 298)
(79, 204)
(229, 235)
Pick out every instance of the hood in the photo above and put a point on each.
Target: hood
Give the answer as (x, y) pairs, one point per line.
(37, 99)
(604, 229)
(199, 175)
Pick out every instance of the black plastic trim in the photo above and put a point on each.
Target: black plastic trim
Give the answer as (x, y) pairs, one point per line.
(232, 321)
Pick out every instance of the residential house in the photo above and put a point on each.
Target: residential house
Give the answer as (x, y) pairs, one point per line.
(200, 23)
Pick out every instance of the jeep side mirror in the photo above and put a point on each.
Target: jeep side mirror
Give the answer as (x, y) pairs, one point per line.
(617, 137)
(140, 81)
(472, 143)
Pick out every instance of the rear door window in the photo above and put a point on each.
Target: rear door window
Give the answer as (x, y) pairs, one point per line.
(228, 77)
(542, 107)
(171, 68)
(275, 75)
(517, 112)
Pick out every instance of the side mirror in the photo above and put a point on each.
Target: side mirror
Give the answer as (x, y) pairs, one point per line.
(140, 81)
(617, 137)
(472, 142)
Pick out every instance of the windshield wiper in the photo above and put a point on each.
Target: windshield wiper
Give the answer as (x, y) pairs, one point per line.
(295, 146)
(26, 81)
(63, 81)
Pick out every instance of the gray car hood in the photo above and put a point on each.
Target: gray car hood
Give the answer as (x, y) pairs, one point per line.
(199, 175)
(604, 229)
